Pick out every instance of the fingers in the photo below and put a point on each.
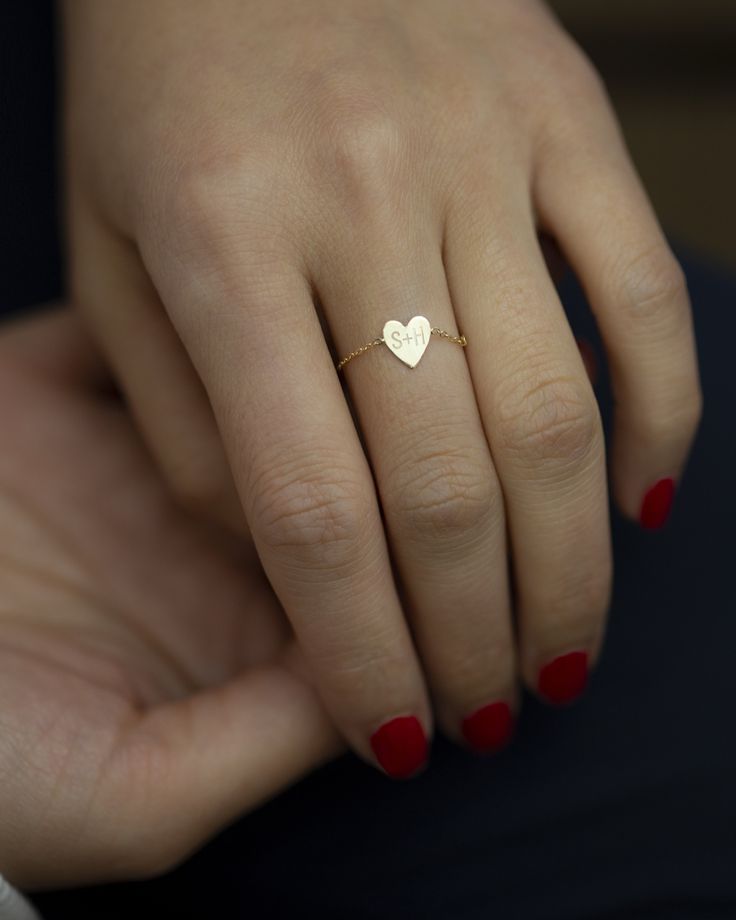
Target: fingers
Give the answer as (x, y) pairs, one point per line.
(545, 435)
(113, 291)
(588, 196)
(441, 498)
(308, 495)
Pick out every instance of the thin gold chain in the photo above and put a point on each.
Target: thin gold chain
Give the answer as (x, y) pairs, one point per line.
(359, 351)
(457, 339)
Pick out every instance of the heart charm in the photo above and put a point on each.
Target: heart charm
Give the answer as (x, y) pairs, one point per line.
(408, 342)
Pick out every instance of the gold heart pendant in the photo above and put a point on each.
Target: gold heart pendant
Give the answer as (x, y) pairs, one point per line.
(408, 342)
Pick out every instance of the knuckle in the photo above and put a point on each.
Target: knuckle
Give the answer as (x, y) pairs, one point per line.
(316, 514)
(652, 288)
(674, 422)
(549, 419)
(448, 497)
(225, 219)
(219, 212)
(579, 75)
(362, 144)
(210, 189)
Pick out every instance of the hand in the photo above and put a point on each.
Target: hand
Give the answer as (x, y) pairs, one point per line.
(255, 188)
(150, 690)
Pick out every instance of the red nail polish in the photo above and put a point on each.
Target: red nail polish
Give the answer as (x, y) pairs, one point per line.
(400, 746)
(489, 728)
(655, 508)
(564, 678)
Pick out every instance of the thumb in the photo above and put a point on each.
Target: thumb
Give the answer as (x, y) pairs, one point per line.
(192, 766)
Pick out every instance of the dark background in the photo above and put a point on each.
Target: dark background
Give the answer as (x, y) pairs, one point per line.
(670, 67)
(30, 264)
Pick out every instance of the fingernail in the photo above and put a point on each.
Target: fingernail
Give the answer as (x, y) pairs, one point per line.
(564, 678)
(489, 728)
(400, 746)
(657, 503)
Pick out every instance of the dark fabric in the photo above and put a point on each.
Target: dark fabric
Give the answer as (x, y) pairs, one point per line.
(30, 261)
(622, 806)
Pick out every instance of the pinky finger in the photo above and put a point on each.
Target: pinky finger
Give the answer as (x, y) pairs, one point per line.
(591, 200)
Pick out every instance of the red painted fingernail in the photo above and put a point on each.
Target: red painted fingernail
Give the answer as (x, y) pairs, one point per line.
(489, 728)
(400, 746)
(564, 678)
(657, 504)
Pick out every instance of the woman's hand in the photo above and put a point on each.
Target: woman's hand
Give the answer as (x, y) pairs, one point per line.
(247, 179)
(150, 688)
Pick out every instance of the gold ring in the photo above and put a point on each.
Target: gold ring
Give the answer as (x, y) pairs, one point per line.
(408, 342)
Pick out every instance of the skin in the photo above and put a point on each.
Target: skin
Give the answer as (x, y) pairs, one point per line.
(150, 688)
(253, 190)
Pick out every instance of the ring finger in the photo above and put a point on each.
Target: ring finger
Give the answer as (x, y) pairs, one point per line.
(440, 494)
